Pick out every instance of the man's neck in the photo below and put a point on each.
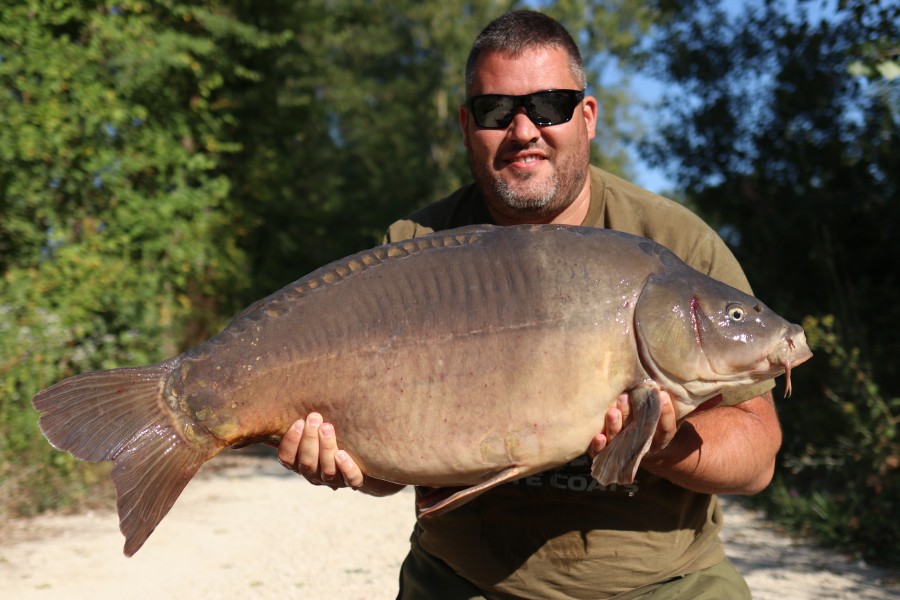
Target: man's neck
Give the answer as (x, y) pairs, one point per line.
(575, 213)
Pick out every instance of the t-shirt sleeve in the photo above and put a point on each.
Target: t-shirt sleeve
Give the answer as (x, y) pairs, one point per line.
(405, 229)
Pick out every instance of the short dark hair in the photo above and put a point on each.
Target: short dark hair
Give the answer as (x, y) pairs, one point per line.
(520, 30)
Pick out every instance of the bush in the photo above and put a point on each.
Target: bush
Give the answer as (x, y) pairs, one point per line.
(118, 237)
(838, 476)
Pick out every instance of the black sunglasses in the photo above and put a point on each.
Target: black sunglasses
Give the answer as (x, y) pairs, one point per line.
(550, 107)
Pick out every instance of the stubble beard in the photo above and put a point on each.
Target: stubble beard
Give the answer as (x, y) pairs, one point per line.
(530, 199)
(528, 195)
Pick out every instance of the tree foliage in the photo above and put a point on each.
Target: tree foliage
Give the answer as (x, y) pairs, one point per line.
(165, 162)
(355, 123)
(783, 127)
(117, 237)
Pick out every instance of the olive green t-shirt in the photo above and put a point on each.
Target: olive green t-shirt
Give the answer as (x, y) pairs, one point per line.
(560, 534)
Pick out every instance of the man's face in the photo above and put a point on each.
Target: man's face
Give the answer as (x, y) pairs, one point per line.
(529, 173)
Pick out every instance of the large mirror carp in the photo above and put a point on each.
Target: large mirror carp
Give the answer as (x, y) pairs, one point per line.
(462, 359)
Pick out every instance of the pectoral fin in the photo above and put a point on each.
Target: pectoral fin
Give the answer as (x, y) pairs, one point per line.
(442, 500)
(618, 462)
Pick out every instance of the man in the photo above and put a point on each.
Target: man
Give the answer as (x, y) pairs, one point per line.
(560, 534)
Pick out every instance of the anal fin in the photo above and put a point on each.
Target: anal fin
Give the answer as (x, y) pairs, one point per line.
(446, 499)
(618, 462)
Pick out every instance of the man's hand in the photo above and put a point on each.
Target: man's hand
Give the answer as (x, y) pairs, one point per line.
(617, 417)
(310, 448)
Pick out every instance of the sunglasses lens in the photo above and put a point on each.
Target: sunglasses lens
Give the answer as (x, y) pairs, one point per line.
(493, 111)
(552, 108)
(496, 111)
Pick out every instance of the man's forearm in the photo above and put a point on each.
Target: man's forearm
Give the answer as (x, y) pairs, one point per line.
(724, 450)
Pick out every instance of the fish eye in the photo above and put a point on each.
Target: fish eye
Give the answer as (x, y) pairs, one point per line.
(735, 312)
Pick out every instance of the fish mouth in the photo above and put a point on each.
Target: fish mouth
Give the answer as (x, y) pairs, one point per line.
(790, 352)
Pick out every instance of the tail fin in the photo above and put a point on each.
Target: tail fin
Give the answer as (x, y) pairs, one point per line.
(121, 415)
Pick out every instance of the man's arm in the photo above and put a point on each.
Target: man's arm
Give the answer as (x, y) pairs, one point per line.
(723, 450)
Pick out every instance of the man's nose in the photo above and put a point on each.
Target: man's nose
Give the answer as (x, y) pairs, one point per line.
(522, 129)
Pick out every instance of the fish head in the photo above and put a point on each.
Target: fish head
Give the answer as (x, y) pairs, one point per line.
(698, 336)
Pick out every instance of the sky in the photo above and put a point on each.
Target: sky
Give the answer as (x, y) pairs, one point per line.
(647, 89)
(655, 180)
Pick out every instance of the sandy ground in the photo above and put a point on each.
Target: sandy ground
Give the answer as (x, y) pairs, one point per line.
(246, 528)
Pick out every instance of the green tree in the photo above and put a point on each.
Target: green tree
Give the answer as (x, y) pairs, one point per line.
(352, 126)
(354, 123)
(117, 238)
(782, 126)
(165, 162)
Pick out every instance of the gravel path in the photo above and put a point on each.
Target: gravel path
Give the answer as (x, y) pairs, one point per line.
(275, 536)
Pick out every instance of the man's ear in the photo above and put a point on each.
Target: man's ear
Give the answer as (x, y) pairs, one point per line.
(463, 119)
(589, 109)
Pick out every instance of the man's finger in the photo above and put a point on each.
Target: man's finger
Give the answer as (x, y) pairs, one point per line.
(290, 445)
(613, 423)
(308, 456)
(327, 449)
(351, 472)
(668, 425)
(598, 443)
(624, 406)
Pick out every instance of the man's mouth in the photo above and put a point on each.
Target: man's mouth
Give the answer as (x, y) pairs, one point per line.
(526, 159)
